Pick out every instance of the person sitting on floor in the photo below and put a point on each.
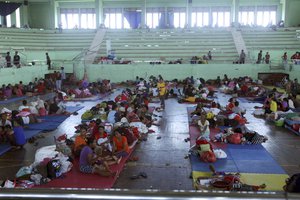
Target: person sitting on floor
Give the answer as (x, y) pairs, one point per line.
(204, 127)
(57, 107)
(237, 109)
(10, 135)
(88, 161)
(80, 141)
(230, 105)
(104, 158)
(120, 145)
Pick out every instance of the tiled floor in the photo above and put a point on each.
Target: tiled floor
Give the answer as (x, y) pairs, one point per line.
(163, 159)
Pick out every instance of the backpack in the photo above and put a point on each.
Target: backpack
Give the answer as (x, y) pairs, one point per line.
(293, 184)
(53, 169)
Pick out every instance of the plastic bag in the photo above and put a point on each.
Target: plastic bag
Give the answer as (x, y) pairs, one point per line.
(219, 153)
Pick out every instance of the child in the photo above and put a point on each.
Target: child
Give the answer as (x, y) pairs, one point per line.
(204, 127)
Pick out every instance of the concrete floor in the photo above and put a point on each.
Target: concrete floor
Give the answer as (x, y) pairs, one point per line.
(163, 159)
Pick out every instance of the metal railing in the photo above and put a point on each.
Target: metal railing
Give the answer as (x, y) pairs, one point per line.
(109, 194)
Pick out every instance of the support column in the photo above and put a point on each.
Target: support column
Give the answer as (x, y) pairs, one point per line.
(283, 11)
(52, 14)
(24, 15)
(189, 13)
(99, 12)
(143, 14)
(235, 13)
(13, 19)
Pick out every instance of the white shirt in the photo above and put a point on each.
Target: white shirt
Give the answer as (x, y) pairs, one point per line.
(291, 103)
(206, 123)
(7, 122)
(23, 107)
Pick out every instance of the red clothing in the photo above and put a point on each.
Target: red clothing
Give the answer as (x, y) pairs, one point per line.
(97, 136)
(244, 89)
(119, 144)
(230, 106)
(41, 88)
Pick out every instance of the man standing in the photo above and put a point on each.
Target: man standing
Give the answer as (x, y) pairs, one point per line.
(259, 57)
(48, 61)
(161, 85)
(242, 57)
(17, 60)
(8, 59)
(267, 58)
(63, 75)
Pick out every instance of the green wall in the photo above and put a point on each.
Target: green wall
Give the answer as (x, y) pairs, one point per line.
(292, 11)
(118, 73)
(25, 74)
(39, 15)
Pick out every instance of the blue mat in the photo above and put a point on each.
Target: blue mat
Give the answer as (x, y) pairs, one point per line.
(31, 133)
(4, 148)
(45, 126)
(243, 159)
(243, 100)
(54, 118)
(12, 100)
(227, 165)
(72, 109)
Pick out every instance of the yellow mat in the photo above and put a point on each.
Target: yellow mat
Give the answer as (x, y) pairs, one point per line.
(281, 90)
(274, 182)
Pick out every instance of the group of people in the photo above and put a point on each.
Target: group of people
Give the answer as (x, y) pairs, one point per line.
(115, 126)
(261, 59)
(38, 86)
(17, 60)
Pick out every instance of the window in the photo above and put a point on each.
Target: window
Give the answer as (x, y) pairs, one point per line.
(220, 19)
(265, 18)
(113, 20)
(126, 23)
(246, 18)
(78, 18)
(18, 24)
(179, 19)
(152, 19)
(200, 19)
(266, 15)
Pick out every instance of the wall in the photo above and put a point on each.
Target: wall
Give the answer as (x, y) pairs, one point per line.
(39, 15)
(292, 17)
(118, 73)
(26, 74)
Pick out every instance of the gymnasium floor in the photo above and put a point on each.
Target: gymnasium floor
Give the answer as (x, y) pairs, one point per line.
(163, 159)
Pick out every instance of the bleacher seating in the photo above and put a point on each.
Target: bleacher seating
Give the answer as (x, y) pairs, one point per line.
(274, 41)
(171, 44)
(35, 39)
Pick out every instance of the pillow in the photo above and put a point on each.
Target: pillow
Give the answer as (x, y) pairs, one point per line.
(205, 147)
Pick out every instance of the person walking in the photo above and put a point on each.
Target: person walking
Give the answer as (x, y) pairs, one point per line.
(48, 61)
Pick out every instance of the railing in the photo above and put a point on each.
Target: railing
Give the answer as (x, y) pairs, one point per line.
(109, 194)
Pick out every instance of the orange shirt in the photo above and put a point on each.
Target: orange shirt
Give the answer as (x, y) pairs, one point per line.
(120, 144)
(79, 141)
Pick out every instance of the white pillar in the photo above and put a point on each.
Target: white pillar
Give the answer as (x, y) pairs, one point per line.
(99, 12)
(235, 13)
